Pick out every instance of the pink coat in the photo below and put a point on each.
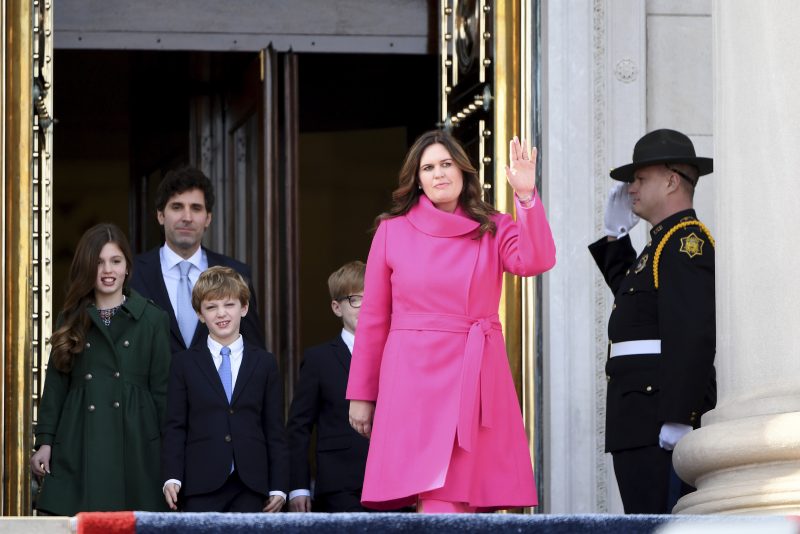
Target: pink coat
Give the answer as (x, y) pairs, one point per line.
(430, 351)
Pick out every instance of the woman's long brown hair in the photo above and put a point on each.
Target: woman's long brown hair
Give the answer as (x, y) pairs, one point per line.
(69, 339)
(408, 192)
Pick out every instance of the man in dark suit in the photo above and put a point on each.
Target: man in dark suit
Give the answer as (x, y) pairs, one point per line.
(224, 445)
(319, 400)
(662, 336)
(184, 203)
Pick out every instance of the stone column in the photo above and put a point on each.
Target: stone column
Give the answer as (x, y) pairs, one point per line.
(746, 458)
(594, 97)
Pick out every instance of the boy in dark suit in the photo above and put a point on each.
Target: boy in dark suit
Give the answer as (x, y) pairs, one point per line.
(224, 447)
(319, 400)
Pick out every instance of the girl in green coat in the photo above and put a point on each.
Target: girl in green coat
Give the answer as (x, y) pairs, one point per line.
(98, 433)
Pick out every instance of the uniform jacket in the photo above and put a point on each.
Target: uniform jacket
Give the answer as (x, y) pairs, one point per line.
(149, 281)
(204, 434)
(319, 399)
(679, 385)
(430, 350)
(103, 418)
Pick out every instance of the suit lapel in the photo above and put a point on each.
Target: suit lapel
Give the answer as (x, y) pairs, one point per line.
(246, 369)
(153, 278)
(213, 258)
(342, 353)
(202, 357)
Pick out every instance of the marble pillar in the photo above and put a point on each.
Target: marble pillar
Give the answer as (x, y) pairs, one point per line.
(746, 458)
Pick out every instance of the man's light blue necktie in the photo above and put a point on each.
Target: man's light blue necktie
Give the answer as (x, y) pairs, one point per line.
(185, 314)
(225, 372)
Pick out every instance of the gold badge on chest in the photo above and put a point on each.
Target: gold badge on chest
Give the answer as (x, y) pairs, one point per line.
(642, 263)
(692, 245)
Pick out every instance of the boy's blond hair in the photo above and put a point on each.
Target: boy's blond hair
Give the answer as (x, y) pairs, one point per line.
(347, 279)
(219, 282)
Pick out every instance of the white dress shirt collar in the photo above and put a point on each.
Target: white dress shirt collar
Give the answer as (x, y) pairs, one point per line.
(237, 351)
(237, 346)
(170, 258)
(349, 339)
(171, 273)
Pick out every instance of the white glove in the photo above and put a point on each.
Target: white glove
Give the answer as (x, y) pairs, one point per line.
(671, 434)
(619, 218)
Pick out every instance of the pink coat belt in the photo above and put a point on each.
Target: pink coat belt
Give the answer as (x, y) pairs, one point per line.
(476, 383)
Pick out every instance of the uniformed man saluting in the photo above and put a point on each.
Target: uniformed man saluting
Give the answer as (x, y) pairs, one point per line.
(660, 368)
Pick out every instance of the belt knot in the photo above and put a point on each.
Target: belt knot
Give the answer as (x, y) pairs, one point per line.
(485, 324)
(477, 378)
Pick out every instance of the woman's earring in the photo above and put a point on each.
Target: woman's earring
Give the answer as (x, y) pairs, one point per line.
(419, 186)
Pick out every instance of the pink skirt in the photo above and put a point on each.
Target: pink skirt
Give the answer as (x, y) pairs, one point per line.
(458, 487)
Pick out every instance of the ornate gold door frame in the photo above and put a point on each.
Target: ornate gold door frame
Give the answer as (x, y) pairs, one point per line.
(487, 95)
(488, 54)
(26, 232)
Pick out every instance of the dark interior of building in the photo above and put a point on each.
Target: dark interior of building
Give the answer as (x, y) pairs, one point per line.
(124, 118)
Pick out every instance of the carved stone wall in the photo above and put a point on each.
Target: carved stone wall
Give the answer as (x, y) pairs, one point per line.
(606, 66)
(588, 115)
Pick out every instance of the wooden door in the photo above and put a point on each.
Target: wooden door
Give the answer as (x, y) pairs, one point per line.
(243, 131)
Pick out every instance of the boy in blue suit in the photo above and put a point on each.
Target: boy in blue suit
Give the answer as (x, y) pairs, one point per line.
(224, 447)
(319, 400)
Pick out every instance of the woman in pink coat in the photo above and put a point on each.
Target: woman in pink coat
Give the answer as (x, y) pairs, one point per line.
(429, 380)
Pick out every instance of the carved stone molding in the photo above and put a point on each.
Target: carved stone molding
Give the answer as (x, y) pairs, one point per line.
(626, 70)
(600, 290)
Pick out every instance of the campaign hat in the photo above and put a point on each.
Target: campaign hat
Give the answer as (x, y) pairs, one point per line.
(663, 146)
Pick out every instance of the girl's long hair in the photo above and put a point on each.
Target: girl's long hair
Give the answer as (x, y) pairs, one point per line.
(69, 339)
(408, 192)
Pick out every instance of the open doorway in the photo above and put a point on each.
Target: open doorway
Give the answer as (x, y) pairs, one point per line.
(119, 114)
(124, 118)
(358, 116)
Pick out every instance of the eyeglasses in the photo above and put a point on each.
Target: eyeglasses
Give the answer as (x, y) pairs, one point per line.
(682, 175)
(354, 300)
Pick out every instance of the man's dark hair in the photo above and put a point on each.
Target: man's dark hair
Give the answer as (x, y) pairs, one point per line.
(179, 181)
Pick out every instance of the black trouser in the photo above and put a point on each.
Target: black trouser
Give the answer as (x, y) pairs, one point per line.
(339, 501)
(647, 481)
(233, 496)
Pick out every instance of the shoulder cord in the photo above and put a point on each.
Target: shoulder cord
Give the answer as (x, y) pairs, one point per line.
(663, 242)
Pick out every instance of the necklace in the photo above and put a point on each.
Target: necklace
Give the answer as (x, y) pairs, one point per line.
(107, 313)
